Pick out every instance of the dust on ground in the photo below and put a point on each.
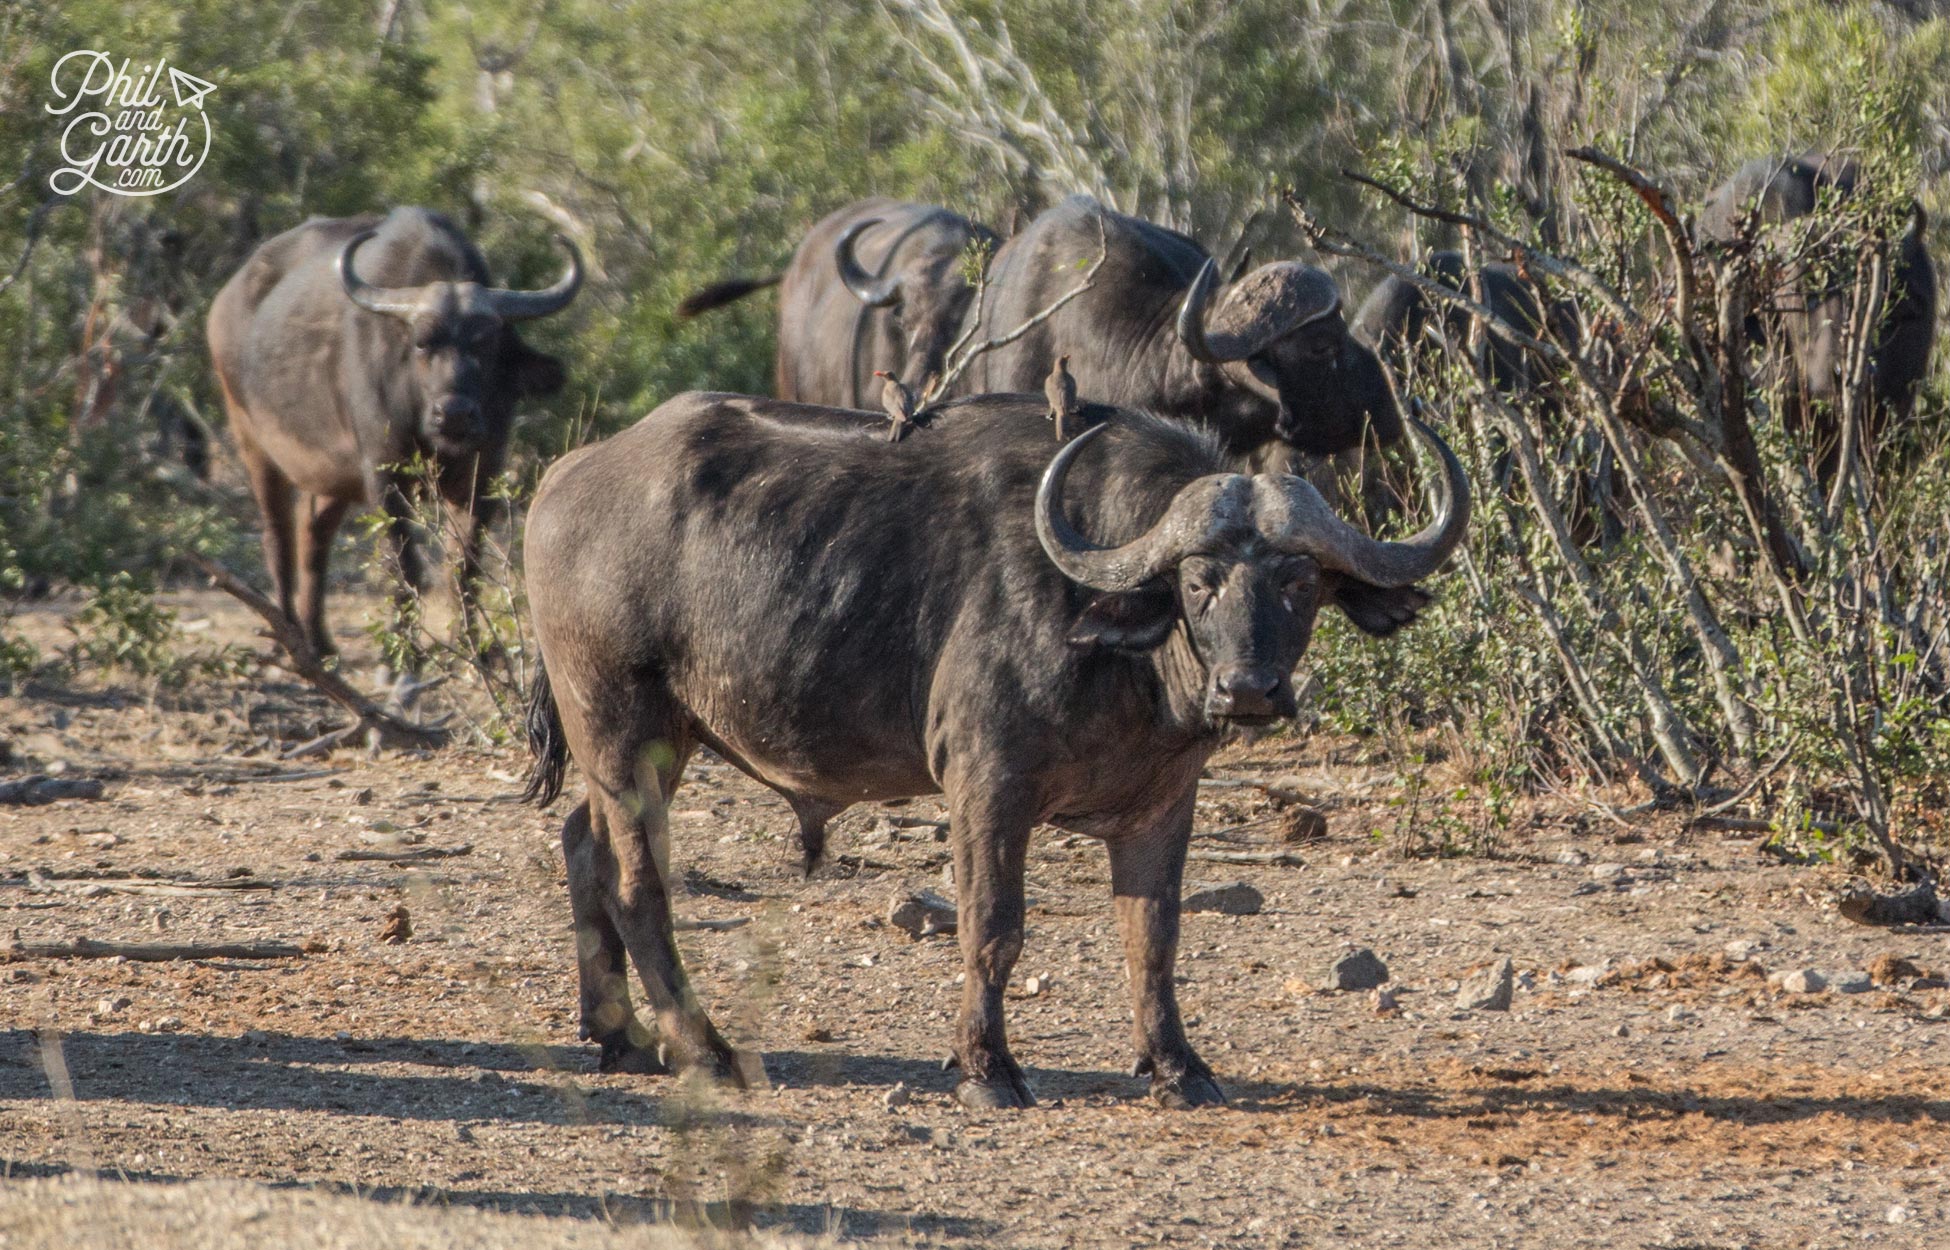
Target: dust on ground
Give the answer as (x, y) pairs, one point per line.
(1652, 1084)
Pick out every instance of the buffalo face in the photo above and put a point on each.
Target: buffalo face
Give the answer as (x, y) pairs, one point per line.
(1242, 565)
(922, 292)
(1278, 333)
(466, 363)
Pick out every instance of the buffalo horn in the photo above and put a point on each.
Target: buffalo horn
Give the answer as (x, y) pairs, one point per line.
(527, 305)
(1293, 517)
(392, 301)
(1203, 512)
(871, 291)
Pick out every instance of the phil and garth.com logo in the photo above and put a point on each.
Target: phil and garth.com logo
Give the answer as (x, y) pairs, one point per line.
(132, 139)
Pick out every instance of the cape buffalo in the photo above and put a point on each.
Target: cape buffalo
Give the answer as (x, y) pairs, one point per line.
(876, 286)
(1803, 326)
(850, 620)
(348, 347)
(1268, 359)
(1393, 317)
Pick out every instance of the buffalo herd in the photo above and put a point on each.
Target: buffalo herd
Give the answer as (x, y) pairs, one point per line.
(1090, 563)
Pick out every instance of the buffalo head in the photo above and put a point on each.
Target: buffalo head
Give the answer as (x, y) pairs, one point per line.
(922, 292)
(1278, 333)
(1245, 564)
(467, 364)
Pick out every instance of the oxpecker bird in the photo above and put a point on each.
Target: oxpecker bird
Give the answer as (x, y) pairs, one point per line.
(899, 403)
(1061, 390)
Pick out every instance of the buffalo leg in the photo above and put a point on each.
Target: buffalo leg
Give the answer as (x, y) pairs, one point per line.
(991, 841)
(1147, 870)
(318, 523)
(607, 1017)
(396, 501)
(631, 861)
(275, 500)
(471, 509)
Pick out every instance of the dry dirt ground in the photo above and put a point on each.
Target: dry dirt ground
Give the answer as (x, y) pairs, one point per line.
(1647, 1087)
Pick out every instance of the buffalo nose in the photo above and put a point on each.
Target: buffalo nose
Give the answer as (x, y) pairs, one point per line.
(455, 414)
(1248, 692)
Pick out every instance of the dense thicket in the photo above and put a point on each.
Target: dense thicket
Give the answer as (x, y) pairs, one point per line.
(682, 140)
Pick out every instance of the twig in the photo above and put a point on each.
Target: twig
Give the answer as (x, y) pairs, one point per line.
(1285, 859)
(416, 855)
(142, 952)
(388, 730)
(958, 366)
(710, 926)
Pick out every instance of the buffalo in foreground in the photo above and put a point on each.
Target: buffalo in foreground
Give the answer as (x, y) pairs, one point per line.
(1263, 361)
(874, 287)
(1804, 320)
(347, 348)
(847, 620)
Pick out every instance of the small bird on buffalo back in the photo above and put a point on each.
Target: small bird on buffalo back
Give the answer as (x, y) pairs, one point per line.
(1061, 391)
(899, 403)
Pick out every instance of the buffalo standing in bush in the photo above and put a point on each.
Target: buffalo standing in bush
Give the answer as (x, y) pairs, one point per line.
(348, 347)
(875, 287)
(1804, 322)
(1265, 361)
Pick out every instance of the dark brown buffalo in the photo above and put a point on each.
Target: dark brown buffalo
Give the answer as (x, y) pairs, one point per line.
(850, 620)
(1802, 321)
(348, 347)
(1396, 314)
(876, 286)
(1264, 360)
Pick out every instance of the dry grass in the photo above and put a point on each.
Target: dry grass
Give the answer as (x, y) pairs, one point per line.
(75, 1211)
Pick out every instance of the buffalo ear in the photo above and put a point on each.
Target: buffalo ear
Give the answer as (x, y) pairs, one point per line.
(1132, 620)
(538, 373)
(1375, 609)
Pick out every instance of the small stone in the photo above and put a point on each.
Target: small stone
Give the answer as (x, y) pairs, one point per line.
(256, 1037)
(1489, 989)
(1235, 898)
(1851, 983)
(398, 927)
(1804, 981)
(109, 1006)
(1622, 1030)
(920, 914)
(1898, 1214)
(1572, 857)
(1610, 874)
(362, 798)
(1032, 986)
(1588, 974)
(814, 1033)
(169, 1024)
(1383, 1002)
(1357, 970)
(897, 1097)
(1677, 1014)
(1743, 948)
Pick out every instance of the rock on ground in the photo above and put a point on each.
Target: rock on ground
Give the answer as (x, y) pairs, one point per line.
(922, 913)
(1356, 970)
(1490, 989)
(1235, 898)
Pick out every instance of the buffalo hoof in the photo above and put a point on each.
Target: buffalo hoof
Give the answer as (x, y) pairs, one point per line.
(994, 1094)
(1193, 1089)
(622, 1055)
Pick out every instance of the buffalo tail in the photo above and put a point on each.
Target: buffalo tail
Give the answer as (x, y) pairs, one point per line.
(545, 743)
(718, 294)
